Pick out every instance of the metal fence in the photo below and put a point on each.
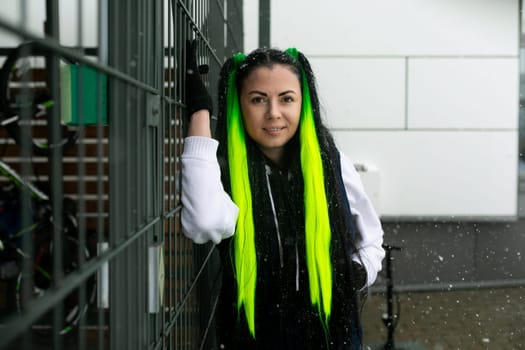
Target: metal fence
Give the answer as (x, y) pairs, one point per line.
(92, 255)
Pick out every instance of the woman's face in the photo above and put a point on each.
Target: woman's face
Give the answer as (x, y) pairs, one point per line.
(271, 103)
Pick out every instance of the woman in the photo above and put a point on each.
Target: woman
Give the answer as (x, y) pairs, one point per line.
(282, 207)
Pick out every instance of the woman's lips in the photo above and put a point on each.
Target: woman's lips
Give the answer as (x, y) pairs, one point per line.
(274, 130)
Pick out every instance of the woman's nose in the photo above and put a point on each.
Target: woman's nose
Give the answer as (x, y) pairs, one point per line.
(273, 110)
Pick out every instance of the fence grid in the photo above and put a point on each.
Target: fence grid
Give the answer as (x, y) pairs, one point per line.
(91, 130)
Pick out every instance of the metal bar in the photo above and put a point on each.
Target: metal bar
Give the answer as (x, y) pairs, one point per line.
(103, 36)
(173, 212)
(141, 282)
(55, 161)
(264, 23)
(184, 292)
(26, 219)
(87, 51)
(172, 109)
(158, 78)
(81, 188)
(171, 321)
(172, 101)
(130, 271)
(142, 132)
(118, 102)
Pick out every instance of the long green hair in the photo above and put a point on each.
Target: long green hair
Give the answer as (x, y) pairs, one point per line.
(317, 222)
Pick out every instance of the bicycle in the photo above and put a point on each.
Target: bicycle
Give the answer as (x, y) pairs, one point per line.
(41, 227)
(25, 91)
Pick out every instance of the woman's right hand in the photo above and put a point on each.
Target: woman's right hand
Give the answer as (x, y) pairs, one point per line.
(197, 96)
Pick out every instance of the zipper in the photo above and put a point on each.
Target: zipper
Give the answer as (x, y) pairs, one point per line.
(296, 268)
(281, 259)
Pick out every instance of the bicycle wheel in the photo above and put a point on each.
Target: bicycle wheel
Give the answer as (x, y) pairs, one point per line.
(41, 280)
(25, 90)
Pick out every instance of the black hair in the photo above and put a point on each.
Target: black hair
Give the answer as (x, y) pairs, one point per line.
(343, 231)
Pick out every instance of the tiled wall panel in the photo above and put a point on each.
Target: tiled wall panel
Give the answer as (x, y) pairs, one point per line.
(362, 92)
(477, 93)
(439, 174)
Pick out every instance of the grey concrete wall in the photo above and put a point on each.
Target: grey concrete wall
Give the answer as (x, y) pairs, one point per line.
(440, 253)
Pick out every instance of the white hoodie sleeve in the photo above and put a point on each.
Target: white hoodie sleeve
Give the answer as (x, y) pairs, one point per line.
(368, 224)
(208, 213)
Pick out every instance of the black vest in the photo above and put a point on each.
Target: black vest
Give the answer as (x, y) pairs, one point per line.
(284, 316)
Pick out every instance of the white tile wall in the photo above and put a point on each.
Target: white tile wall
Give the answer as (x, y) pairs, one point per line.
(437, 173)
(442, 128)
(463, 93)
(397, 27)
(251, 25)
(362, 92)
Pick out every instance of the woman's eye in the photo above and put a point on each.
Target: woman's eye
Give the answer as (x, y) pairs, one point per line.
(288, 99)
(257, 100)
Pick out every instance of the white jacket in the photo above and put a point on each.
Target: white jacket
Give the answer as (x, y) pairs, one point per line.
(209, 214)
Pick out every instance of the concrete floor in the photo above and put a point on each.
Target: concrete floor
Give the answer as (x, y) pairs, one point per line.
(464, 320)
(457, 320)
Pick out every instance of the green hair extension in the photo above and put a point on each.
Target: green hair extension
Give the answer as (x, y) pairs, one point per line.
(244, 237)
(317, 222)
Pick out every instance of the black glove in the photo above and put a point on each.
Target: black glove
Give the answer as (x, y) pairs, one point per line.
(360, 281)
(360, 275)
(197, 96)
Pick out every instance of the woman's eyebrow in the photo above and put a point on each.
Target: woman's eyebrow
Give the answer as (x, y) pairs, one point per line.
(265, 94)
(257, 92)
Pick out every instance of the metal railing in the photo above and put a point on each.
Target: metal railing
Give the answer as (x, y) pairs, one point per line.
(154, 287)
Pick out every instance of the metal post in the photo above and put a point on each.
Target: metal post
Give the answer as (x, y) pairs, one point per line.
(55, 161)
(390, 319)
(119, 298)
(264, 23)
